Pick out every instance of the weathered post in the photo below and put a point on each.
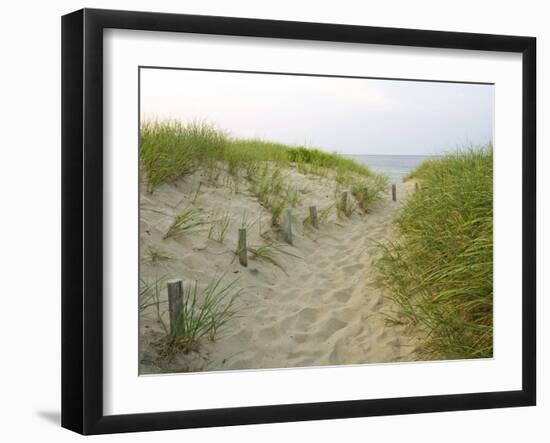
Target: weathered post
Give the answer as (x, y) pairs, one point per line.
(365, 199)
(344, 202)
(286, 226)
(243, 251)
(394, 192)
(313, 216)
(175, 303)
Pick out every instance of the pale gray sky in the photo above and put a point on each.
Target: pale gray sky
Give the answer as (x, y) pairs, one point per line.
(349, 116)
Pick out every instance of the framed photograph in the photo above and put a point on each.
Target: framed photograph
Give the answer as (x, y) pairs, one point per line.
(268, 221)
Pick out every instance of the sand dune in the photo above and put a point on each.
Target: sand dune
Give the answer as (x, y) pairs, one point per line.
(321, 306)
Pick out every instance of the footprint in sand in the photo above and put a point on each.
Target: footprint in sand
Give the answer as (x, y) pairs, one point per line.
(329, 328)
(270, 333)
(299, 338)
(243, 335)
(357, 257)
(288, 322)
(323, 264)
(306, 317)
(343, 352)
(358, 237)
(304, 278)
(352, 268)
(341, 296)
(342, 262)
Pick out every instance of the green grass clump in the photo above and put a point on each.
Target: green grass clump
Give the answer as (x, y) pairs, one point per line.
(150, 296)
(219, 224)
(269, 187)
(269, 251)
(183, 222)
(319, 159)
(439, 269)
(367, 193)
(205, 312)
(246, 156)
(344, 203)
(422, 169)
(155, 255)
(170, 150)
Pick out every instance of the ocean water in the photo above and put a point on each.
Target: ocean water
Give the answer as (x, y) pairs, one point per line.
(395, 167)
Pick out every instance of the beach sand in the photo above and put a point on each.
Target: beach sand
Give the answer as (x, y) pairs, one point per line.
(322, 307)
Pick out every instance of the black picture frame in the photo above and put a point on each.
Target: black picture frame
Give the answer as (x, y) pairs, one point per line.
(82, 219)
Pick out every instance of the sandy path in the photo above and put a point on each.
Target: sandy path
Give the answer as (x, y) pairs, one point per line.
(324, 309)
(325, 312)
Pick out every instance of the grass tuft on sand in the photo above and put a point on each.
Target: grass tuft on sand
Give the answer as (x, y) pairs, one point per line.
(205, 311)
(439, 267)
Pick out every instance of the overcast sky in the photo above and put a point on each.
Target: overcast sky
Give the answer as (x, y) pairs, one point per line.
(349, 116)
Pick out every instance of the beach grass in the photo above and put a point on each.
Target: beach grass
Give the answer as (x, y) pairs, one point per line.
(368, 193)
(170, 150)
(439, 267)
(268, 252)
(150, 297)
(219, 224)
(154, 255)
(205, 311)
(184, 221)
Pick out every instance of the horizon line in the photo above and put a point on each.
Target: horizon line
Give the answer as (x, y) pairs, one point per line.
(403, 155)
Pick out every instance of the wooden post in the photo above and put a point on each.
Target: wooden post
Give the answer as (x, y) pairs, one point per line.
(364, 200)
(344, 202)
(313, 216)
(175, 302)
(287, 225)
(243, 251)
(394, 192)
(416, 186)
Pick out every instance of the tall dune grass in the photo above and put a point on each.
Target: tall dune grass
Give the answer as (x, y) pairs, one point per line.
(170, 150)
(205, 312)
(439, 268)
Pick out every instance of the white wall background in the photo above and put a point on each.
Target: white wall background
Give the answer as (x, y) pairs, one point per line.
(30, 218)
